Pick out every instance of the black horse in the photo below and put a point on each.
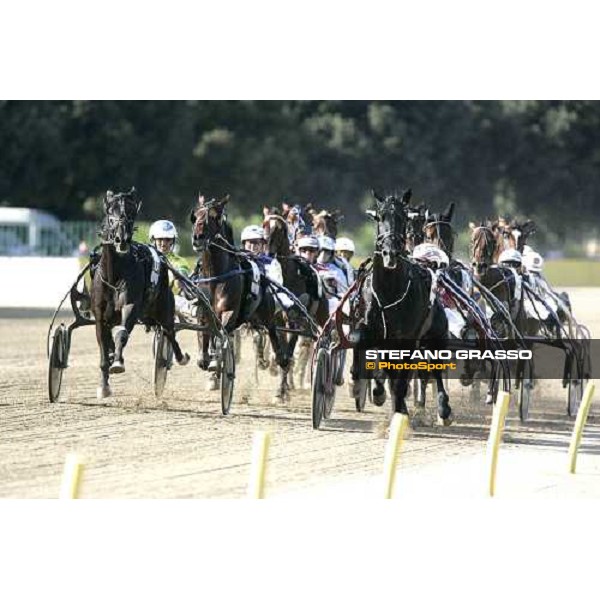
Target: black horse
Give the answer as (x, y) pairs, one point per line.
(130, 284)
(236, 297)
(397, 296)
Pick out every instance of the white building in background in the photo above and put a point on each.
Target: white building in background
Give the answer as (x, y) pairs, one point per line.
(32, 232)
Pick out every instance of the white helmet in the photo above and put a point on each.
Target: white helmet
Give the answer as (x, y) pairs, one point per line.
(533, 262)
(161, 230)
(308, 241)
(432, 254)
(510, 256)
(326, 243)
(344, 243)
(253, 232)
(526, 250)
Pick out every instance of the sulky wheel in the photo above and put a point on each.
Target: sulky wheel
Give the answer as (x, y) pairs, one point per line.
(319, 387)
(57, 361)
(525, 390)
(335, 364)
(163, 358)
(227, 374)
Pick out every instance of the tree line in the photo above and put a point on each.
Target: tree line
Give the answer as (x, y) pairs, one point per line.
(539, 159)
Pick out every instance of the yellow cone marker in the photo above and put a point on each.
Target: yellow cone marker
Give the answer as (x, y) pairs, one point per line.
(582, 415)
(69, 489)
(496, 431)
(260, 451)
(392, 450)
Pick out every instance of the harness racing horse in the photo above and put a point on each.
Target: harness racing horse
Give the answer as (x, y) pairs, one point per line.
(326, 222)
(397, 298)
(130, 284)
(504, 283)
(299, 277)
(236, 297)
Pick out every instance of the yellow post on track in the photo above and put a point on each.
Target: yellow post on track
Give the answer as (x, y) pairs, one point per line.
(71, 481)
(392, 450)
(496, 431)
(582, 415)
(260, 451)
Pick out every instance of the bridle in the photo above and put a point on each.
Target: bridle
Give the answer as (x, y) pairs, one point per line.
(438, 237)
(481, 234)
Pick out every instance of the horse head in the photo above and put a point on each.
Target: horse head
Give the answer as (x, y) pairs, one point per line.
(516, 233)
(120, 211)
(438, 229)
(416, 217)
(275, 227)
(326, 222)
(486, 245)
(390, 214)
(208, 221)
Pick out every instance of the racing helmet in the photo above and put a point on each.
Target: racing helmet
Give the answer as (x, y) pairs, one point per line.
(533, 262)
(308, 241)
(526, 250)
(344, 243)
(431, 253)
(326, 243)
(163, 229)
(252, 232)
(510, 256)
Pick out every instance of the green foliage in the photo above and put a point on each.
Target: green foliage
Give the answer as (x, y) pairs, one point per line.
(530, 158)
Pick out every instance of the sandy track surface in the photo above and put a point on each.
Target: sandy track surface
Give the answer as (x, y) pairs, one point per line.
(180, 446)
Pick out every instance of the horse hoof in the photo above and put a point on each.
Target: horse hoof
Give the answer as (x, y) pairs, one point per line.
(103, 392)
(378, 399)
(445, 422)
(185, 360)
(263, 365)
(489, 399)
(117, 367)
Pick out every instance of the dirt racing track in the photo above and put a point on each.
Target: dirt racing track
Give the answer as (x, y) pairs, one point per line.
(135, 446)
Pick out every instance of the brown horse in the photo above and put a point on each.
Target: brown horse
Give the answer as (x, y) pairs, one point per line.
(298, 276)
(236, 299)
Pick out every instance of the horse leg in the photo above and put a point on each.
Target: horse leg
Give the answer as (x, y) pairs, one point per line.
(304, 351)
(181, 358)
(214, 365)
(399, 389)
(258, 339)
(490, 397)
(420, 389)
(128, 319)
(293, 340)
(279, 347)
(379, 389)
(444, 410)
(103, 338)
(354, 383)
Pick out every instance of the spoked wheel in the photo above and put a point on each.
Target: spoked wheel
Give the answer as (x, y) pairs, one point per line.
(57, 361)
(319, 387)
(227, 375)
(163, 358)
(364, 390)
(574, 396)
(525, 390)
(335, 360)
